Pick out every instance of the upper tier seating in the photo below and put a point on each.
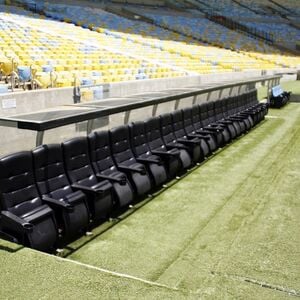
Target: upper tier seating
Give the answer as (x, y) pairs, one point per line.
(38, 203)
(52, 52)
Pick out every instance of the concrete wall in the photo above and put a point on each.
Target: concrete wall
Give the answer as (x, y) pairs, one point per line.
(13, 140)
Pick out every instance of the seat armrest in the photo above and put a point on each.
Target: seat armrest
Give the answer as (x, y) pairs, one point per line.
(11, 220)
(111, 178)
(132, 169)
(199, 136)
(54, 203)
(148, 160)
(176, 146)
(166, 153)
(225, 122)
(215, 129)
(189, 142)
(83, 188)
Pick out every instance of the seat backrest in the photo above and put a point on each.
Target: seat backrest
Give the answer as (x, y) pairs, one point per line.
(138, 138)
(218, 109)
(224, 107)
(211, 111)
(154, 138)
(77, 161)
(18, 191)
(166, 128)
(100, 151)
(178, 125)
(120, 144)
(203, 113)
(196, 115)
(277, 91)
(188, 120)
(235, 104)
(49, 171)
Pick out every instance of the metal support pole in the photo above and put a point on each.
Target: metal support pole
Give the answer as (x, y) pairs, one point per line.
(208, 96)
(268, 92)
(154, 110)
(89, 126)
(194, 100)
(127, 117)
(220, 94)
(39, 138)
(177, 102)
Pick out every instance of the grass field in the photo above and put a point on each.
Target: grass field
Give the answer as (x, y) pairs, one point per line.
(227, 230)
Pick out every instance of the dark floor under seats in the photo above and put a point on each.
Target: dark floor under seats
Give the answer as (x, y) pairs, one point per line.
(126, 162)
(24, 215)
(83, 178)
(188, 154)
(154, 163)
(70, 206)
(105, 168)
(191, 131)
(182, 137)
(171, 157)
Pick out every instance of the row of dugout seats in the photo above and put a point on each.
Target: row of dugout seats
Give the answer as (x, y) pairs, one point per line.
(56, 192)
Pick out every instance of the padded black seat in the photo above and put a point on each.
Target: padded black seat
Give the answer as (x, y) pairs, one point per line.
(215, 116)
(142, 152)
(126, 162)
(245, 110)
(234, 109)
(187, 153)
(70, 207)
(183, 137)
(229, 114)
(201, 123)
(105, 168)
(156, 145)
(230, 126)
(23, 213)
(82, 177)
(191, 131)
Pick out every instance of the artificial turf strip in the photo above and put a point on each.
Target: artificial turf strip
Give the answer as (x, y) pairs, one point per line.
(230, 229)
(237, 217)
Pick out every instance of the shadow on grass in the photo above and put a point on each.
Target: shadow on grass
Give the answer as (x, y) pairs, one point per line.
(11, 249)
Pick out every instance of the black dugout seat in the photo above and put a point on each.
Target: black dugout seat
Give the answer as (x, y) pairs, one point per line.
(234, 109)
(171, 157)
(126, 162)
(24, 215)
(83, 178)
(201, 123)
(70, 206)
(183, 137)
(188, 153)
(191, 131)
(142, 152)
(105, 168)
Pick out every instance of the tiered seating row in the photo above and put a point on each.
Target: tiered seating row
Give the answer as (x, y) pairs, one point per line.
(54, 193)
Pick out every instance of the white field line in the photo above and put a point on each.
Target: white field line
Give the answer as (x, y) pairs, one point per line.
(116, 274)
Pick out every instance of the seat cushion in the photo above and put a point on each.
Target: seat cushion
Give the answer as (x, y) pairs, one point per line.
(37, 214)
